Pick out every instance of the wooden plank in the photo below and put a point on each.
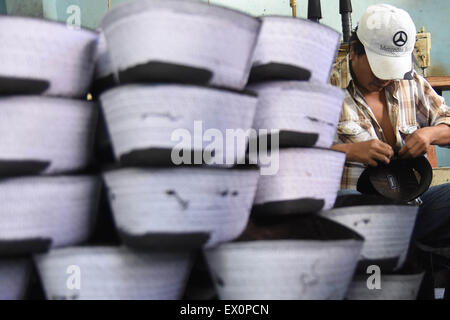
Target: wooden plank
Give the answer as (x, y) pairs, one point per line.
(431, 156)
(441, 83)
(440, 176)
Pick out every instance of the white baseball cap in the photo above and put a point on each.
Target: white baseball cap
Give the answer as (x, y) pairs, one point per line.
(388, 35)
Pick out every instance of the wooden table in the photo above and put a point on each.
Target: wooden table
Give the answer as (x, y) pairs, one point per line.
(441, 83)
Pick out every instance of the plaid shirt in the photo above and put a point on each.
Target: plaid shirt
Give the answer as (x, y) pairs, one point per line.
(412, 104)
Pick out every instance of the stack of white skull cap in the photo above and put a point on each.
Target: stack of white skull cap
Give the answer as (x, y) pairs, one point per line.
(49, 199)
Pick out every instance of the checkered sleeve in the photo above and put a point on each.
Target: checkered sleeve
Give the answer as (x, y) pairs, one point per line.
(430, 103)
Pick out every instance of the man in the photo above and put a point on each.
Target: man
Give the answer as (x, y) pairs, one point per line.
(389, 108)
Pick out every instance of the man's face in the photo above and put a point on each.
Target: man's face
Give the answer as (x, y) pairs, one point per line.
(367, 81)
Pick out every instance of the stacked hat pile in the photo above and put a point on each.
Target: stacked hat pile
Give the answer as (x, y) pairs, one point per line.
(176, 72)
(386, 226)
(287, 251)
(170, 79)
(47, 129)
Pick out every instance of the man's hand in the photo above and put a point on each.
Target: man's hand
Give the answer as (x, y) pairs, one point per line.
(367, 152)
(417, 143)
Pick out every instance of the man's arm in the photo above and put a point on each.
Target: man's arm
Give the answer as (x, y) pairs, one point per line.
(418, 143)
(367, 152)
(435, 129)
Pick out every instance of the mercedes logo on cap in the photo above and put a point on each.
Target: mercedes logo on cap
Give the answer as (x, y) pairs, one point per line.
(400, 38)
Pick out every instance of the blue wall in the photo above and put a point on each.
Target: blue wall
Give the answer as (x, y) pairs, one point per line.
(2, 7)
(90, 14)
(31, 8)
